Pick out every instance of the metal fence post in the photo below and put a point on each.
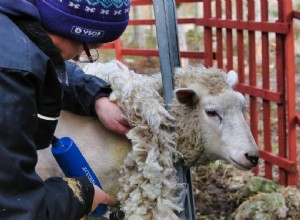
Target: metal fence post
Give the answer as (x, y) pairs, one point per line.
(167, 38)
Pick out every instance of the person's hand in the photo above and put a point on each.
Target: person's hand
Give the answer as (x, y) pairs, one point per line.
(101, 197)
(111, 116)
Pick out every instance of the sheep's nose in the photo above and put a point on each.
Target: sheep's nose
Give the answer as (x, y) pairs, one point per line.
(252, 159)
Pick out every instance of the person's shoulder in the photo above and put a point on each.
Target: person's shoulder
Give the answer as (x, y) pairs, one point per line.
(17, 51)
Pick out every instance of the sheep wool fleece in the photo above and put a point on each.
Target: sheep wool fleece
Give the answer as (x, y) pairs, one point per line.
(150, 162)
(150, 189)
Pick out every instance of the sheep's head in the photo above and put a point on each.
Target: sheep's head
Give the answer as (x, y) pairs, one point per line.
(212, 124)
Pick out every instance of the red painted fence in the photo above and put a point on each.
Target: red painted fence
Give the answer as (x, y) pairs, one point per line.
(273, 116)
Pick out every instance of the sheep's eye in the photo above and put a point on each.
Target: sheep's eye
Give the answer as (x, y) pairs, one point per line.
(213, 113)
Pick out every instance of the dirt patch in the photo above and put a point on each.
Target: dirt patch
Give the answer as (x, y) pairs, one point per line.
(220, 191)
(214, 193)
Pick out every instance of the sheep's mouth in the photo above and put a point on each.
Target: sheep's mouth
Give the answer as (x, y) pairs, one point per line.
(239, 165)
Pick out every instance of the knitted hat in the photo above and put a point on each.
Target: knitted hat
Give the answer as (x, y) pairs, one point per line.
(86, 21)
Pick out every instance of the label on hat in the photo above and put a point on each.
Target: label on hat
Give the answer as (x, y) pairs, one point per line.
(87, 32)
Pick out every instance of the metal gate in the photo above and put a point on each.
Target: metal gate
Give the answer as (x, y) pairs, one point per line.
(239, 35)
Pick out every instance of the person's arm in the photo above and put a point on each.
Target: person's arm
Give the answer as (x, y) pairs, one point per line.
(88, 95)
(82, 90)
(23, 194)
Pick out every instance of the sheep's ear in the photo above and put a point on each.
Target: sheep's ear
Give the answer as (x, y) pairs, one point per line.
(186, 96)
(232, 78)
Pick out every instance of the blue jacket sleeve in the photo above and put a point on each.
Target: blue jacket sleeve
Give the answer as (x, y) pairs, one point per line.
(82, 90)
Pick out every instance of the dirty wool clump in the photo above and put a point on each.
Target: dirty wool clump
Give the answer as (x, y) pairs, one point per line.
(75, 186)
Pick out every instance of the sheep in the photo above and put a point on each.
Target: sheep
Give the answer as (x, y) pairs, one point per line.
(205, 123)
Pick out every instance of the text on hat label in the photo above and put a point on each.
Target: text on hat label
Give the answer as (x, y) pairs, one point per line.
(87, 32)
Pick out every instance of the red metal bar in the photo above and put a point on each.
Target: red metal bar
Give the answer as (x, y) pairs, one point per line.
(119, 50)
(291, 90)
(117, 46)
(281, 108)
(142, 22)
(297, 119)
(252, 73)
(281, 28)
(240, 43)
(274, 159)
(219, 35)
(207, 35)
(266, 85)
(296, 14)
(108, 46)
(194, 54)
(140, 52)
(260, 93)
(229, 43)
(150, 52)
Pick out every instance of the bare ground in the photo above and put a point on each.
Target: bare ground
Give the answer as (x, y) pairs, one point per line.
(220, 190)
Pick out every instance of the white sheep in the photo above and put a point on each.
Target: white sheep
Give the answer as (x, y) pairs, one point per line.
(206, 123)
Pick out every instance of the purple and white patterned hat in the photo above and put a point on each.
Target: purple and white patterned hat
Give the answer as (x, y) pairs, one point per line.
(86, 21)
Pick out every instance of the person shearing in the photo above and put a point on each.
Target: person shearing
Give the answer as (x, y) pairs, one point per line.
(37, 38)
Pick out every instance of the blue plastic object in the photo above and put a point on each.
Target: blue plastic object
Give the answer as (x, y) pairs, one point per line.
(73, 164)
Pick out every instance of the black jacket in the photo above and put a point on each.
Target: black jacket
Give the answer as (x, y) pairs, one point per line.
(30, 104)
